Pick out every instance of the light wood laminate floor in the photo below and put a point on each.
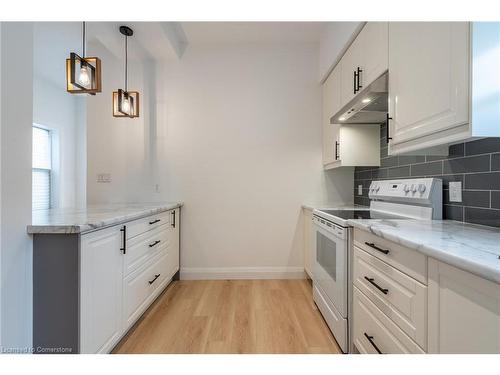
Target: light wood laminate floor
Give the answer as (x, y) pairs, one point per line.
(232, 316)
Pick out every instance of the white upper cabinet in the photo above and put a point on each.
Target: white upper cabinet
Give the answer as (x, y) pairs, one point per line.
(365, 60)
(428, 84)
(331, 104)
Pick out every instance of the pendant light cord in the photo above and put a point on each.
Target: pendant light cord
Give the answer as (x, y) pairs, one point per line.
(126, 62)
(83, 56)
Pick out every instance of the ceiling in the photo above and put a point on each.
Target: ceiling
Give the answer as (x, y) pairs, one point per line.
(252, 32)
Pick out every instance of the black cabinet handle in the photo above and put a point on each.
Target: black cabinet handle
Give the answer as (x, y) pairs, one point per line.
(154, 243)
(336, 150)
(371, 281)
(370, 338)
(173, 218)
(154, 221)
(124, 237)
(387, 138)
(354, 83)
(358, 75)
(152, 281)
(373, 246)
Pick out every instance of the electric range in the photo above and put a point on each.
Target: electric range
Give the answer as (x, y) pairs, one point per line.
(408, 199)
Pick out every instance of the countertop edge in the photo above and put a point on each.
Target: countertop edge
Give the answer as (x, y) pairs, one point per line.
(469, 265)
(86, 228)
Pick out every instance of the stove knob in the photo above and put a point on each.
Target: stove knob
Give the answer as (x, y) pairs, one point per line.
(377, 188)
(421, 188)
(413, 188)
(406, 188)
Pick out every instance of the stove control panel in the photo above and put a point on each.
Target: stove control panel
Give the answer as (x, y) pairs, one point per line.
(418, 190)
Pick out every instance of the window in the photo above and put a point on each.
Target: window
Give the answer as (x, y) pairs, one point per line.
(42, 165)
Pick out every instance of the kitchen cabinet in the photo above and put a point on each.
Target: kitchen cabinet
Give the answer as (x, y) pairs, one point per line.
(464, 311)
(308, 243)
(365, 60)
(101, 267)
(346, 145)
(428, 84)
(90, 288)
(390, 296)
(331, 104)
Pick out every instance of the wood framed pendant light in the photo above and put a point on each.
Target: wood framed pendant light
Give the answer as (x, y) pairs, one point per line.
(83, 74)
(125, 102)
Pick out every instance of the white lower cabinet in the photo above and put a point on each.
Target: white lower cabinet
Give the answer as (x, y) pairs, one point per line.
(406, 302)
(101, 276)
(375, 333)
(121, 274)
(308, 250)
(464, 311)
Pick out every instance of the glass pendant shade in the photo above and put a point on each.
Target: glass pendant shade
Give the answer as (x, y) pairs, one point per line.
(83, 74)
(125, 103)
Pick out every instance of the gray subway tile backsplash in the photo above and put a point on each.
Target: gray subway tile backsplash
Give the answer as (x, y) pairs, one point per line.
(476, 164)
(467, 164)
(482, 146)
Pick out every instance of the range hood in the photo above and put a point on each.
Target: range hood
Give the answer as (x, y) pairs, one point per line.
(370, 106)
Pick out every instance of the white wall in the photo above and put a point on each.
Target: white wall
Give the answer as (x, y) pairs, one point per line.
(124, 147)
(16, 122)
(59, 110)
(243, 151)
(336, 38)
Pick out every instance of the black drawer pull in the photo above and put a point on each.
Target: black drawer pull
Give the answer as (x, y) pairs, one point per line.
(370, 280)
(372, 245)
(152, 281)
(154, 221)
(154, 243)
(124, 231)
(370, 338)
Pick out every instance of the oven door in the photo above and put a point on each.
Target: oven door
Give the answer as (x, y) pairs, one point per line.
(330, 262)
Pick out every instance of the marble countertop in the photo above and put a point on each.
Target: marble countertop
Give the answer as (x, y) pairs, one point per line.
(81, 220)
(474, 248)
(333, 206)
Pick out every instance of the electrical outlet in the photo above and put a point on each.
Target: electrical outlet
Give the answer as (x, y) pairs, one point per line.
(104, 177)
(360, 189)
(455, 191)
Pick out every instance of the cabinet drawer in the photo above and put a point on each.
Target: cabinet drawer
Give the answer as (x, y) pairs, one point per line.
(406, 260)
(401, 298)
(145, 224)
(139, 288)
(144, 246)
(373, 330)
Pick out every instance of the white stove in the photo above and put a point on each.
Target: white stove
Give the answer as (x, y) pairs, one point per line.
(408, 199)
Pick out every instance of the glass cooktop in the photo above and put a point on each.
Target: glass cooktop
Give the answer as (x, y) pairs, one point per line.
(361, 214)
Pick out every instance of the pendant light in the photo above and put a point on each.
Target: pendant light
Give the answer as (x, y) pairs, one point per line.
(125, 102)
(83, 74)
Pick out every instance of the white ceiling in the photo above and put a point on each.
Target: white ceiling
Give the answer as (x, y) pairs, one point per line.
(252, 32)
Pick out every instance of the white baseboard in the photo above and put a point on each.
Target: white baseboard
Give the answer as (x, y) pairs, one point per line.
(238, 273)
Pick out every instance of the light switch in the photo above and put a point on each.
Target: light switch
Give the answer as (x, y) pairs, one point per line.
(455, 191)
(360, 189)
(104, 177)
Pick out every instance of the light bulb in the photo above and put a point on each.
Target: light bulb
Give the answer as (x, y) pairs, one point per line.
(126, 106)
(84, 77)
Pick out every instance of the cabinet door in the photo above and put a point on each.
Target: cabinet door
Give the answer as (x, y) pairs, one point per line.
(101, 267)
(173, 252)
(369, 53)
(308, 253)
(464, 311)
(331, 104)
(428, 80)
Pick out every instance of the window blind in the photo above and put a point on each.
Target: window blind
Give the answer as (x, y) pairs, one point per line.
(42, 165)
